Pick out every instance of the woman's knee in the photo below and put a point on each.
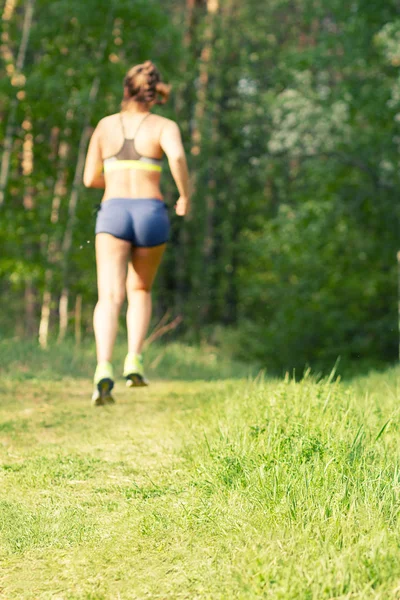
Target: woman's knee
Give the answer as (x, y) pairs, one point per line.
(133, 292)
(112, 297)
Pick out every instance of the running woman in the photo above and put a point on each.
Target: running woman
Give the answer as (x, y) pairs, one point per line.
(132, 228)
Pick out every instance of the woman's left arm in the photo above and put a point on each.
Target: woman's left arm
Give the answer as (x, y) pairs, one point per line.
(93, 174)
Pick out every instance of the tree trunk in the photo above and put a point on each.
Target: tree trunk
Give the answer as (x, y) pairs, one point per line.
(8, 10)
(17, 80)
(53, 244)
(29, 307)
(63, 315)
(45, 319)
(78, 320)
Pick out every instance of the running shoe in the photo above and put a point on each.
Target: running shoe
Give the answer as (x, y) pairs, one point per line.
(134, 371)
(103, 384)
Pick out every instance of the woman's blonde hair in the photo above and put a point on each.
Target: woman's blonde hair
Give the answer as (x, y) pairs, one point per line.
(143, 83)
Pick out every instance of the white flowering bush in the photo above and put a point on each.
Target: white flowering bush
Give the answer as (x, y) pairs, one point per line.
(388, 40)
(304, 126)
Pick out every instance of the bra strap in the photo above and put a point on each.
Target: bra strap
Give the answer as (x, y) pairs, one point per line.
(140, 124)
(122, 125)
(137, 129)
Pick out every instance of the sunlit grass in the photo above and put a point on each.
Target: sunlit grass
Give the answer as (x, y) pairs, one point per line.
(228, 488)
(24, 360)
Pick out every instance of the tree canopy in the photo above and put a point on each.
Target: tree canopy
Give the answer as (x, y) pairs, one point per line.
(290, 112)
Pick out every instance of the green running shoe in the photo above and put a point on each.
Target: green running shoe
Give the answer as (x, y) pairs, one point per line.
(103, 384)
(134, 371)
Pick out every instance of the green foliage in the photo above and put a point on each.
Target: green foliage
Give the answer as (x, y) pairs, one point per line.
(318, 277)
(70, 45)
(290, 114)
(311, 287)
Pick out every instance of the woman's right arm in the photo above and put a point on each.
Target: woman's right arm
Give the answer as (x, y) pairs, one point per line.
(171, 143)
(93, 173)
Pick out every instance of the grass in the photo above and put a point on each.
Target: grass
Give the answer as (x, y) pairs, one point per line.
(213, 483)
(24, 360)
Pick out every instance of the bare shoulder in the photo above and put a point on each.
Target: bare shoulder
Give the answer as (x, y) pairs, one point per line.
(108, 121)
(168, 126)
(167, 122)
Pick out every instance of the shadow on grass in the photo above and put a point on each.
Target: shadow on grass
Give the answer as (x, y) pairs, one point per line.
(22, 360)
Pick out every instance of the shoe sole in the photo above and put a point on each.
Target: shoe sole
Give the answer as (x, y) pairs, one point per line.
(104, 388)
(136, 380)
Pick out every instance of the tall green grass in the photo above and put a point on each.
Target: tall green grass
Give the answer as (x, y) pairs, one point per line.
(22, 360)
(210, 484)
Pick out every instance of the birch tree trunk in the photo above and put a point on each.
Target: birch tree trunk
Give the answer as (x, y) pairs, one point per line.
(18, 80)
(53, 244)
(27, 169)
(78, 320)
(63, 315)
(29, 302)
(45, 315)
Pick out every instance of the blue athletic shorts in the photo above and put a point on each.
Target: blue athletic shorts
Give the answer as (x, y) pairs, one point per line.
(142, 221)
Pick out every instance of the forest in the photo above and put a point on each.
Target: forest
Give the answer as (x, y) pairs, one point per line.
(290, 115)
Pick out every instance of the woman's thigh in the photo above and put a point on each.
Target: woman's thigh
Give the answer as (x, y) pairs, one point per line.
(112, 255)
(143, 267)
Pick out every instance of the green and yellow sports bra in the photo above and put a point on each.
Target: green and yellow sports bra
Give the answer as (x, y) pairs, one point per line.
(128, 157)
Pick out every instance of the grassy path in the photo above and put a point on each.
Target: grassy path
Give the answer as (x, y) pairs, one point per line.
(214, 490)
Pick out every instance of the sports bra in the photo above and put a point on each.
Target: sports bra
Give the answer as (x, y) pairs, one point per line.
(128, 157)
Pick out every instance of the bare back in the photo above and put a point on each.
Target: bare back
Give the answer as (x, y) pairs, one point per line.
(136, 140)
(146, 132)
